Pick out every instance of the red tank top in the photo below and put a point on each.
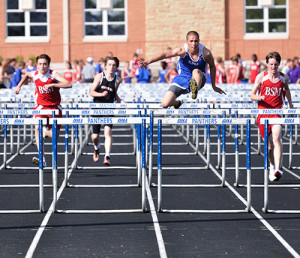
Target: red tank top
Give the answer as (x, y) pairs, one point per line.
(274, 92)
(68, 74)
(172, 74)
(45, 97)
(254, 71)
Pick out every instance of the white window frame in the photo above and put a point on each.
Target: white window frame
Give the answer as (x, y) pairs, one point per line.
(266, 34)
(104, 23)
(27, 38)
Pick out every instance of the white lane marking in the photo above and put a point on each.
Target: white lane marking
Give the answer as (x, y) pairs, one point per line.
(160, 241)
(257, 215)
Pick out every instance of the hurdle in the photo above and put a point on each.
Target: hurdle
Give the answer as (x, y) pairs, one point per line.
(215, 121)
(28, 121)
(181, 113)
(267, 112)
(141, 122)
(20, 121)
(267, 122)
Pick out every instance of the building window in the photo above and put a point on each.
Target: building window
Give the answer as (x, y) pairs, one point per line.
(105, 24)
(30, 25)
(266, 18)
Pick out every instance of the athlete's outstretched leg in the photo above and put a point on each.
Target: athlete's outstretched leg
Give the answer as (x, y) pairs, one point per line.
(169, 100)
(107, 144)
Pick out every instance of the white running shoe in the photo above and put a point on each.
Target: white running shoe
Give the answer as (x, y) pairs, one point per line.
(275, 175)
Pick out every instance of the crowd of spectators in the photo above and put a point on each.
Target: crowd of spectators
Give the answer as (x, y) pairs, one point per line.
(234, 71)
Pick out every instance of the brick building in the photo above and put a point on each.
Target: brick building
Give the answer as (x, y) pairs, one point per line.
(75, 29)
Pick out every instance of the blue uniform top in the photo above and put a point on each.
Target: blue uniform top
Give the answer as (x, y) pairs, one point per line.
(16, 78)
(186, 65)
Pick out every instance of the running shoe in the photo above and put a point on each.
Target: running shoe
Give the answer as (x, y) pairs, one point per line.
(35, 161)
(96, 155)
(106, 161)
(275, 175)
(193, 88)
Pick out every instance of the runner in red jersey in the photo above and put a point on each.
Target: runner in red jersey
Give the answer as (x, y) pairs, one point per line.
(47, 94)
(272, 87)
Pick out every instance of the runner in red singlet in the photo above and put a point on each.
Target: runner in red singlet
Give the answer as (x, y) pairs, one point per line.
(272, 87)
(47, 94)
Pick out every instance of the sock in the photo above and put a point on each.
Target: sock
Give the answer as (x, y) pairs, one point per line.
(107, 155)
(97, 147)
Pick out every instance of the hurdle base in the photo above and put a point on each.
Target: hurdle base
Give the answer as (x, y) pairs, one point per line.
(203, 211)
(102, 186)
(101, 211)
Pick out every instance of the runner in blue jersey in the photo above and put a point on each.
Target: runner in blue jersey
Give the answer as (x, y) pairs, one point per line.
(191, 67)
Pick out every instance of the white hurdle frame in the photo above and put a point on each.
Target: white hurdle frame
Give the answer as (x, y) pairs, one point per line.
(108, 120)
(19, 112)
(203, 121)
(27, 121)
(270, 112)
(267, 122)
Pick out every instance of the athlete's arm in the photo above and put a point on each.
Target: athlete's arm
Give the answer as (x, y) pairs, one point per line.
(23, 80)
(287, 91)
(256, 87)
(180, 51)
(62, 82)
(212, 67)
(96, 82)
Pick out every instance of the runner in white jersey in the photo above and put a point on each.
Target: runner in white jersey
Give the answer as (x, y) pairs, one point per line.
(191, 66)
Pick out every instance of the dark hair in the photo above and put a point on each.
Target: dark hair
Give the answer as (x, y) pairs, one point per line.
(274, 55)
(112, 58)
(69, 63)
(254, 56)
(192, 32)
(43, 56)
(164, 64)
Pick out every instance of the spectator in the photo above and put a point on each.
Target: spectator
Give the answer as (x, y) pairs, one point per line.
(126, 73)
(242, 66)
(255, 68)
(286, 67)
(296, 61)
(133, 64)
(170, 60)
(207, 73)
(171, 73)
(17, 76)
(220, 71)
(162, 72)
(232, 71)
(11, 67)
(143, 75)
(30, 66)
(294, 73)
(99, 65)
(88, 71)
(110, 54)
(69, 73)
(78, 69)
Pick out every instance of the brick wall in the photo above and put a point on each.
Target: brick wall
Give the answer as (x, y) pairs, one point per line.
(168, 21)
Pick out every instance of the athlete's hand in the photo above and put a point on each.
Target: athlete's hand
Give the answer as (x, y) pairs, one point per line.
(48, 86)
(143, 64)
(17, 89)
(219, 90)
(261, 98)
(104, 93)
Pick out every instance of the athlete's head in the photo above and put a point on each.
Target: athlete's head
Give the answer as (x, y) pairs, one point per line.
(192, 40)
(194, 33)
(43, 63)
(111, 64)
(273, 60)
(43, 56)
(274, 55)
